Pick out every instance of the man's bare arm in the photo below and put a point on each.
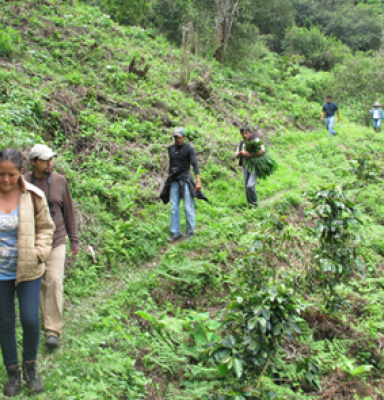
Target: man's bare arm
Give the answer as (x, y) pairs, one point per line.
(198, 183)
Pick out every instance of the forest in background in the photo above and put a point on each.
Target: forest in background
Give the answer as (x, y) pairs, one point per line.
(344, 37)
(144, 319)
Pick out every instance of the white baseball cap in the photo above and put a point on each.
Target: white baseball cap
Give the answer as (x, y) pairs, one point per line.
(42, 151)
(179, 132)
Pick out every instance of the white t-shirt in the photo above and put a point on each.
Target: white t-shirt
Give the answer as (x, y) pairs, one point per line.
(376, 113)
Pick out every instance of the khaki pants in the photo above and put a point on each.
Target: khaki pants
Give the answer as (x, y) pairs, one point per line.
(51, 296)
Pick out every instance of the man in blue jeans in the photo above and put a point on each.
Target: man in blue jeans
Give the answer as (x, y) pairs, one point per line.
(181, 157)
(329, 110)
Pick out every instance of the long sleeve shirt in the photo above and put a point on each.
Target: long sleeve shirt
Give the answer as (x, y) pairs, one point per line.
(61, 207)
(182, 157)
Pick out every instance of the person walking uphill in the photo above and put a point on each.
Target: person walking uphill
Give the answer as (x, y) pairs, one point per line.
(250, 179)
(329, 110)
(376, 114)
(181, 157)
(62, 211)
(26, 231)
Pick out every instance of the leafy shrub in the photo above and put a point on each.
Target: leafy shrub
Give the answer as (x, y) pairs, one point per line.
(263, 310)
(365, 169)
(337, 257)
(6, 45)
(133, 12)
(320, 52)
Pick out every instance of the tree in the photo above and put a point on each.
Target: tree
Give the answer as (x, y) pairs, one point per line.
(273, 17)
(225, 13)
(320, 51)
(360, 27)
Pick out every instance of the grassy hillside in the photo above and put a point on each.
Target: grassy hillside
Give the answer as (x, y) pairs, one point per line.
(67, 78)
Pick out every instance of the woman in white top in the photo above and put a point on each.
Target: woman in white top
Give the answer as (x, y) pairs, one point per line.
(376, 114)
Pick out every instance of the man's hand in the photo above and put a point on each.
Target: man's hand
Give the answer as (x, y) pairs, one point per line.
(322, 118)
(198, 183)
(74, 252)
(246, 154)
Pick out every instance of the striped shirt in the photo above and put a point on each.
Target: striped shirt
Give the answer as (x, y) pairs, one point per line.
(9, 224)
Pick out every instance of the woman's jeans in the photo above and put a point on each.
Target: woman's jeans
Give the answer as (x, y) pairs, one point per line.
(377, 124)
(250, 181)
(28, 294)
(188, 209)
(330, 123)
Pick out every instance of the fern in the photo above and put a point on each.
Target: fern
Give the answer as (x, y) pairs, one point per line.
(164, 354)
(190, 277)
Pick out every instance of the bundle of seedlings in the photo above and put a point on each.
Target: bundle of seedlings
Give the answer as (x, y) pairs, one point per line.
(262, 166)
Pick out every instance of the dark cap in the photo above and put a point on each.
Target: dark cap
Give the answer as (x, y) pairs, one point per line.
(245, 128)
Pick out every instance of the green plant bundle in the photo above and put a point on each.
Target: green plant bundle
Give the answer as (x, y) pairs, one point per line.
(262, 166)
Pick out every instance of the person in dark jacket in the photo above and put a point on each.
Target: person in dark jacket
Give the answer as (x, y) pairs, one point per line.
(181, 157)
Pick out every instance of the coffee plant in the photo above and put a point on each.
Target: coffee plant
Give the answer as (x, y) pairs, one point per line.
(337, 257)
(263, 311)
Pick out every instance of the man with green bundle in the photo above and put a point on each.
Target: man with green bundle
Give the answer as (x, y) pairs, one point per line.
(250, 178)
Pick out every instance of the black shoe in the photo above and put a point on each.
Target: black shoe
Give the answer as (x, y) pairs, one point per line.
(334, 133)
(12, 387)
(32, 377)
(189, 237)
(174, 238)
(52, 342)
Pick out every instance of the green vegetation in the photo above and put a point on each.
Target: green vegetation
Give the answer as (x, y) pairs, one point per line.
(320, 51)
(231, 309)
(263, 166)
(358, 26)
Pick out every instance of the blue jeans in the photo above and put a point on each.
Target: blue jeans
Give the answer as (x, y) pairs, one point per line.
(188, 209)
(28, 294)
(250, 189)
(377, 124)
(330, 123)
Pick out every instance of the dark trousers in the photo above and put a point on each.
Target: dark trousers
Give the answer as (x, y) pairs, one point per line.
(28, 294)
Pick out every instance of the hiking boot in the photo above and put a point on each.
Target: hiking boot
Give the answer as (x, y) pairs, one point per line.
(32, 377)
(174, 238)
(12, 387)
(189, 237)
(52, 342)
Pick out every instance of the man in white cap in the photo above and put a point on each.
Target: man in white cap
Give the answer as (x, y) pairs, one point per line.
(62, 212)
(181, 157)
(376, 115)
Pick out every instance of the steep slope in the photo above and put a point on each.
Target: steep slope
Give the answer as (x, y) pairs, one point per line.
(69, 79)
